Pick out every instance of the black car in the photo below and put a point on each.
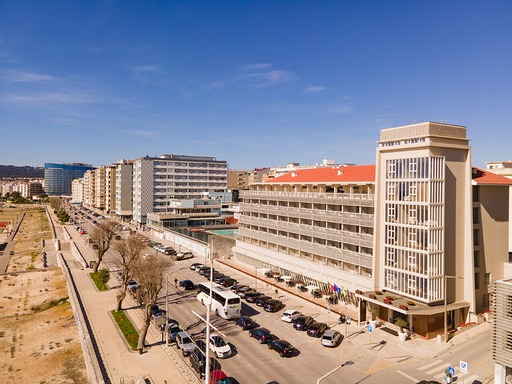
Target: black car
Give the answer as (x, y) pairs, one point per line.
(217, 278)
(205, 271)
(272, 305)
(227, 282)
(303, 322)
(187, 285)
(317, 329)
(174, 329)
(260, 301)
(282, 347)
(262, 334)
(198, 361)
(245, 322)
(236, 287)
(157, 312)
(252, 296)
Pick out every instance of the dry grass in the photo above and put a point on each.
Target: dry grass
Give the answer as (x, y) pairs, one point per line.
(39, 340)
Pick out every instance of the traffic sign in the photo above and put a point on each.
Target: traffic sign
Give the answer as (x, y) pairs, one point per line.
(463, 366)
(370, 329)
(347, 319)
(451, 371)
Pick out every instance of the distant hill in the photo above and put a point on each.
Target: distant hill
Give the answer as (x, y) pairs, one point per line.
(13, 171)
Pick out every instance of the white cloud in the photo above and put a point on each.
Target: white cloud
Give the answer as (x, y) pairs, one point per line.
(253, 67)
(269, 78)
(315, 89)
(142, 133)
(26, 77)
(146, 69)
(45, 99)
(341, 109)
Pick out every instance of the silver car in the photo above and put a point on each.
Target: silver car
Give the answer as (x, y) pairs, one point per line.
(331, 338)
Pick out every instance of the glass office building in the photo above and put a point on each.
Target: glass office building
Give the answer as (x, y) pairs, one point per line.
(58, 177)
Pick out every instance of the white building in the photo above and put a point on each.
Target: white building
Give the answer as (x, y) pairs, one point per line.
(159, 180)
(77, 191)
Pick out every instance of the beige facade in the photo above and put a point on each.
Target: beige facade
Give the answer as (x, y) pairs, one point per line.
(77, 191)
(238, 179)
(123, 189)
(110, 188)
(100, 187)
(89, 189)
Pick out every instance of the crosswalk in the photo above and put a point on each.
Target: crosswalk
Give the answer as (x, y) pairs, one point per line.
(436, 369)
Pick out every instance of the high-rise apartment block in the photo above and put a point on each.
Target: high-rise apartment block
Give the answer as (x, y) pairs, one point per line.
(159, 180)
(58, 177)
(124, 189)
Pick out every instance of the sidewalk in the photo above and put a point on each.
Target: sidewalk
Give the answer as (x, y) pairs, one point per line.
(383, 342)
(158, 363)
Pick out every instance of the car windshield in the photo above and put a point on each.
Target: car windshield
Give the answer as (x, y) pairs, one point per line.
(233, 301)
(187, 340)
(327, 337)
(219, 342)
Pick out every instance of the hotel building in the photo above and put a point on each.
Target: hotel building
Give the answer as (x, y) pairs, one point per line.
(58, 177)
(390, 235)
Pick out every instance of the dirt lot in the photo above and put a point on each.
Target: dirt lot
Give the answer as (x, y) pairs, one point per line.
(38, 333)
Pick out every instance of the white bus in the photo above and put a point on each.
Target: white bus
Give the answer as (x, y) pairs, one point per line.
(225, 303)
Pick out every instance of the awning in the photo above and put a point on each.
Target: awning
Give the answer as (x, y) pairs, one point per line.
(311, 288)
(286, 278)
(295, 281)
(275, 273)
(264, 270)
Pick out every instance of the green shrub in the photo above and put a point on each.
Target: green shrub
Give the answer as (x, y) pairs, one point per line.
(104, 275)
(126, 328)
(99, 284)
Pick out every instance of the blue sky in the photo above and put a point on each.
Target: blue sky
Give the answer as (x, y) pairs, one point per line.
(255, 83)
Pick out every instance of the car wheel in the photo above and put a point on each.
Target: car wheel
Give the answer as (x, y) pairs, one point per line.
(262, 341)
(217, 312)
(178, 346)
(202, 301)
(281, 354)
(269, 346)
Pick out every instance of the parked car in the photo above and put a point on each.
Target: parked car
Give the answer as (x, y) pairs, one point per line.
(260, 301)
(290, 315)
(262, 334)
(198, 362)
(252, 296)
(174, 329)
(331, 338)
(220, 347)
(185, 343)
(184, 255)
(217, 278)
(245, 322)
(169, 251)
(317, 329)
(273, 305)
(243, 291)
(236, 287)
(219, 377)
(227, 282)
(196, 265)
(187, 285)
(303, 322)
(282, 347)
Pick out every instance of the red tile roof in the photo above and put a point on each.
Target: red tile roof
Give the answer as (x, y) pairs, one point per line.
(484, 177)
(350, 174)
(366, 174)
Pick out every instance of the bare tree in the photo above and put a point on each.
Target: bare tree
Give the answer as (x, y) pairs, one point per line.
(55, 202)
(102, 235)
(149, 273)
(129, 251)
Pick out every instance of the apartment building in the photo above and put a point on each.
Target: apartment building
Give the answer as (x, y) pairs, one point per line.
(157, 181)
(58, 177)
(238, 179)
(502, 333)
(110, 188)
(123, 189)
(503, 168)
(401, 238)
(100, 187)
(89, 189)
(77, 191)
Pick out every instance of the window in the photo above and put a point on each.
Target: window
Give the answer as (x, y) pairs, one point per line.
(413, 166)
(412, 190)
(391, 168)
(475, 193)
(487, 278)
(476, 234)
(475, 215)
(477, 280)
(476, 259)
(391, 190)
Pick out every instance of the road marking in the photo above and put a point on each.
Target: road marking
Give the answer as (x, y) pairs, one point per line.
(437, 369)
(469, 379)
(437, 362)
(407, 376)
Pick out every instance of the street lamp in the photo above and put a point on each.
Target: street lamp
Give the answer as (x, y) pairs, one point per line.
(256, 279)
(209, 253)
(446, 277)
(167, 309)
(349, 362)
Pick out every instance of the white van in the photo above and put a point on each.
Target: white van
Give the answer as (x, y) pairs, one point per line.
(184, 255)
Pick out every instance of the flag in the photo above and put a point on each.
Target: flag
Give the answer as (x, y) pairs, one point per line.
(344, 293)
(331, 287)
(337, 289)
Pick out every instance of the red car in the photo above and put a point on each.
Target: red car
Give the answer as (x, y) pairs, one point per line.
(219, 377)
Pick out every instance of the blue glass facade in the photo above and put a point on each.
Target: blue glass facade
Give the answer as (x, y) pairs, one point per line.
(58, 177)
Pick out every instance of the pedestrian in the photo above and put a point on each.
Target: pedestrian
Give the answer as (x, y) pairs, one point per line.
(175, 282)
(277, 293)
